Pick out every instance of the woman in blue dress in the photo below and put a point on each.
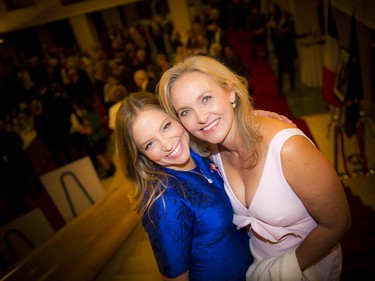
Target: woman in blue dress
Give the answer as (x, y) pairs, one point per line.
(179, 195)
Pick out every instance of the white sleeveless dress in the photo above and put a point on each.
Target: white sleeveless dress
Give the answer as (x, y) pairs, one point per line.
(276, 213)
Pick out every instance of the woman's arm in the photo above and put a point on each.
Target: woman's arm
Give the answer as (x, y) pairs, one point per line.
(169, 227)
(317, 184)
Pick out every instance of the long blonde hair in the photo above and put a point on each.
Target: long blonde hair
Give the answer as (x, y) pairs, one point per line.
(227, 79)
(149, 182)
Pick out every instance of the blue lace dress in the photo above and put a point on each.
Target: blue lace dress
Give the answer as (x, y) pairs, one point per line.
(192, 229)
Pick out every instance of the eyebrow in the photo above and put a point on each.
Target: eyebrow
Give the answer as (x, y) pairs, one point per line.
(198, 98)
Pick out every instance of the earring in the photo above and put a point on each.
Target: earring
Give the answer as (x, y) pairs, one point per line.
(233, 100)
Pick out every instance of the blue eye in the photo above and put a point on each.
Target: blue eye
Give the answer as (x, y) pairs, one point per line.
(184, 113)
(166, 126)
(206, 99)
(149, 145)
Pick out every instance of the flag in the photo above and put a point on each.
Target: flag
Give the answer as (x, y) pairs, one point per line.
(354, 92)
(330, 59)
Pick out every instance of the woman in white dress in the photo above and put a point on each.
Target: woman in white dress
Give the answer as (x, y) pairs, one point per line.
(281, 186)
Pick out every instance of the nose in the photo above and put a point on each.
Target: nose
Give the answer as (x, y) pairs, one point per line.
(201, 116)
(167, 145)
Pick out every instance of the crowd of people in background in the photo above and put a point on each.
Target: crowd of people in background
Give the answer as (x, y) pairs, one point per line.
(70, 94)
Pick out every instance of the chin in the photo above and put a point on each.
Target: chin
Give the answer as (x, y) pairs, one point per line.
(185, 156)
(212, 139)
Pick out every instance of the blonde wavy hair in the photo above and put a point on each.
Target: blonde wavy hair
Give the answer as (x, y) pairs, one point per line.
(228, 80)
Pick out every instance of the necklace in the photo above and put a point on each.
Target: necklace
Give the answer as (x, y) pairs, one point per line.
(202, 175)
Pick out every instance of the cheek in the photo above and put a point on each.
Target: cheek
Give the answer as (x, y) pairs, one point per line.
(152, 155)
(148, 156)
(188, 123)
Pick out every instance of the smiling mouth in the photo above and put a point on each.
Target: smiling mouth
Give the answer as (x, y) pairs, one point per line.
(175, 151)
(211, 125)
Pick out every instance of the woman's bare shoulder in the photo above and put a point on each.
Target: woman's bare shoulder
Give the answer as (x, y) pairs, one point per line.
(269, 127)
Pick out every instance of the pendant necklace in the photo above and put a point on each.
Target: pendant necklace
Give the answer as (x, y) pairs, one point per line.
(202, 175)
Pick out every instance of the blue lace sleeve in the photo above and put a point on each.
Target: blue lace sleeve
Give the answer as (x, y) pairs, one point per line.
(169, 229)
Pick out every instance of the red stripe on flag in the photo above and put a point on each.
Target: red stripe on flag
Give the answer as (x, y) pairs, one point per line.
(331, 58)
(327, 87)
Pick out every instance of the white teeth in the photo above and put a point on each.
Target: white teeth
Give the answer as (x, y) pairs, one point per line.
(176, 150)
(213, 124)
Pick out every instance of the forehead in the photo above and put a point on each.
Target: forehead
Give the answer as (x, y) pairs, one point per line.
(149, 117)
(147, 123)
(193, 81)
(192, 85)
